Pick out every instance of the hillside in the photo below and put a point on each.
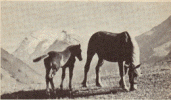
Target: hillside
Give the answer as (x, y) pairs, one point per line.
(8, 83)
(156, 43)
(18, 70)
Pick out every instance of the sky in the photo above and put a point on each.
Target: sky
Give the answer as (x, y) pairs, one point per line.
(20, 19)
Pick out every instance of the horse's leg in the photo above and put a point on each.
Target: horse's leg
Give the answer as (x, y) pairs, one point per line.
(120, 82)
(86, 68)
(126, 65)
(63, 76)
(47, 82)
(126, 68)
(133, 83)
(122, 75)
(98, 80)
(70, 76)
(52, 85)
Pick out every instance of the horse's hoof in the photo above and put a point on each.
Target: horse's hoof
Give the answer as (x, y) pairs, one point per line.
(133, 88)
(84, 84)
(120, 84)
(48, 92)
(61, 87)
(54, 91)
(99, 85)
(126, 89)
(70, 88)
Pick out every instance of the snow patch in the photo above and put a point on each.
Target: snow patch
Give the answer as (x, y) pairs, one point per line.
(48, 35)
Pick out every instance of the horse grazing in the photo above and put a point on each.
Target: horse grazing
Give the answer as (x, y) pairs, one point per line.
(57, 60)
(114, 47)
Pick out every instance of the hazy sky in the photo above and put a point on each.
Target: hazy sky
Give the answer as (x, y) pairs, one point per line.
(19, 19)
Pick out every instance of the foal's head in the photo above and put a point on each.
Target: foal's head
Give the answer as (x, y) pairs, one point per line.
(76, 51)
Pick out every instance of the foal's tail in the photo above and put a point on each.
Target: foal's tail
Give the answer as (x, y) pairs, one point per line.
(39, 58)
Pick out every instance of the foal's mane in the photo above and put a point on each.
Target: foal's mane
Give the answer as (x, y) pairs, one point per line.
(67, 48)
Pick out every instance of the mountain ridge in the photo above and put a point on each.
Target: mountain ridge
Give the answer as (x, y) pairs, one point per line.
(41, 42)
(153, 39)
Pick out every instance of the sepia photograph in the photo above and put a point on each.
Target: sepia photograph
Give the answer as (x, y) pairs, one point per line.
(85, 50)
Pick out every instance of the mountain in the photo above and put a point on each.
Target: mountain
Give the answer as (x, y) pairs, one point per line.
(156, 43)
(18, 70)
(43, 41)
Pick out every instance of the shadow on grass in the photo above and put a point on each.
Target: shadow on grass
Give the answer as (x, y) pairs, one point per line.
(40, 94)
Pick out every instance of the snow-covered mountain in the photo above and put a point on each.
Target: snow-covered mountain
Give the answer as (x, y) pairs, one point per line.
(43, 41)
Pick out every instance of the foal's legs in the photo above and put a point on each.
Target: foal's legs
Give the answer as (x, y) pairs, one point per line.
(99, 64)
(70, 76)
(86, 68)
(47, 82)
(48, 79)
(52, 85)
(122, 75)
(63, 76)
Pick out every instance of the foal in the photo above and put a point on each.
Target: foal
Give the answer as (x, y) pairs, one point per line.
(57, 60)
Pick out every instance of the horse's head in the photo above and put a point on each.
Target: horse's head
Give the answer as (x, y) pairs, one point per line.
(76, 51)
(134, 71)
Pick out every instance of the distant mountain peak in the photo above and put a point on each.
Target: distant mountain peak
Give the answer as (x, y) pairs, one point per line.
(44, 40)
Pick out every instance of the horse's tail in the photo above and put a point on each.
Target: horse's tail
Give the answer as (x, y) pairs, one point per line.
(39, 58)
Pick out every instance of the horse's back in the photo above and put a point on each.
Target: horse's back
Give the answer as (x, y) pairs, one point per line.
(53, 59)
(104, 37)
(53, 53)
(108, 45)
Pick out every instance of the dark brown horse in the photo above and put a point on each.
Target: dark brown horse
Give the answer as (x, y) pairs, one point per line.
(56, 60)
(114, 47)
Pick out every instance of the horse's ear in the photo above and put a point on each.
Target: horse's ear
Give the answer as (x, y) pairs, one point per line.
(79, 45)
(138, 66)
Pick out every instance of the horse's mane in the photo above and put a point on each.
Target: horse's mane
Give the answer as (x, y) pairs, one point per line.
(129, 47)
